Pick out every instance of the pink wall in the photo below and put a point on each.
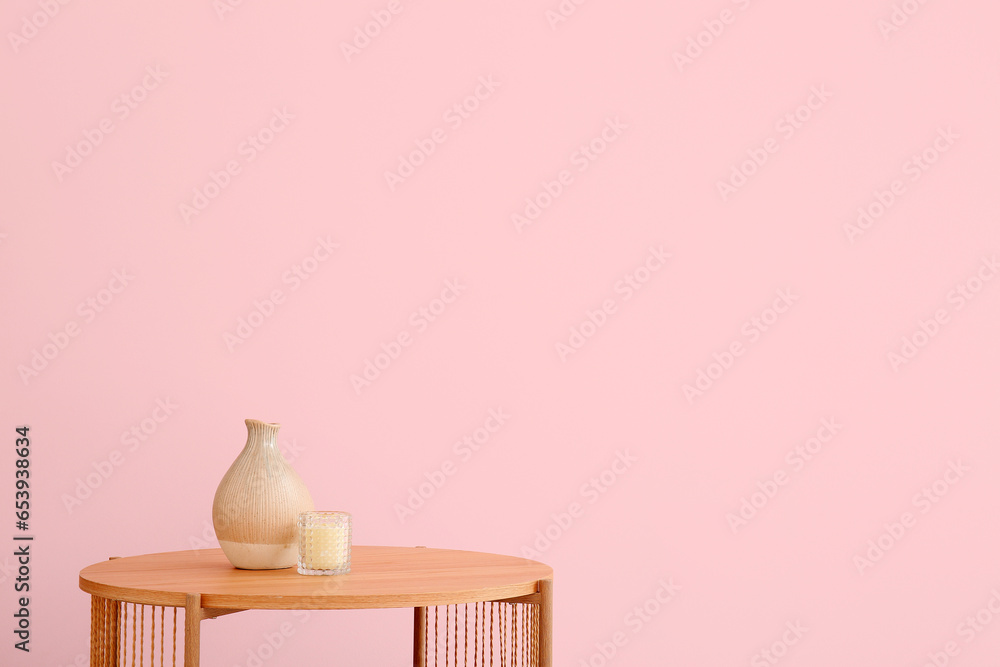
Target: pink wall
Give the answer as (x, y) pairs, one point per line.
(610, 210)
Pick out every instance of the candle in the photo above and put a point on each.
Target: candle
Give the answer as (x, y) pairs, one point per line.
(324, 543)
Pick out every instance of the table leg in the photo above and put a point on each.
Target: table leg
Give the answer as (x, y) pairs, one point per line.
(114, 618)
(545, 624)
(419, 636)
(192, 630)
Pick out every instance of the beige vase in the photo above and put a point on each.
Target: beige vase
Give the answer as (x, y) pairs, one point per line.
(258, 502)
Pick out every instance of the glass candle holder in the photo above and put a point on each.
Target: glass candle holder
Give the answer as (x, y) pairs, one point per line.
(324, 543)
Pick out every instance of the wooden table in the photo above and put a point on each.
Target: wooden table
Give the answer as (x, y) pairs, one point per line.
(206, 585)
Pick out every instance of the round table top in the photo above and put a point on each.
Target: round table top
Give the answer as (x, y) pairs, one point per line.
(380, 578)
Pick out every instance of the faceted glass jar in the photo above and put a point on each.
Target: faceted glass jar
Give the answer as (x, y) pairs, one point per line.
(324, 543)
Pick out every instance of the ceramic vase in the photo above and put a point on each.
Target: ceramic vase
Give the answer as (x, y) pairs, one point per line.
(258, 502)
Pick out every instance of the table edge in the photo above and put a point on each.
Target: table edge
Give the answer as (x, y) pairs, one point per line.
(247, 602)
(361, 601)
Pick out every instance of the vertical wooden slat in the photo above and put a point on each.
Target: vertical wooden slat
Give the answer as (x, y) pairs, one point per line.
(503, 634)
(174, 664)
(94, 648)
(192, 630)
(152, 637)
(419, 636)
(163, 611)
(123, 635)
(514, 636)
(526, 617)
(142, 634)
(105, 632)
(545, 624)
(99, 637)
(533, 643)
(135, 615)
(519, 646)
(114, 620)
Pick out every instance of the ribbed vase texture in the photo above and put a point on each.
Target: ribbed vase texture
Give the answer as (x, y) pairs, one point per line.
(258, 503)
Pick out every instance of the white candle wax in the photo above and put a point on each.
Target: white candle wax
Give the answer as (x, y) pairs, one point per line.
(326, 547)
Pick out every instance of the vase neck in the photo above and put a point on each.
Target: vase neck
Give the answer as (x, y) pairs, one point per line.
(261, 433)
